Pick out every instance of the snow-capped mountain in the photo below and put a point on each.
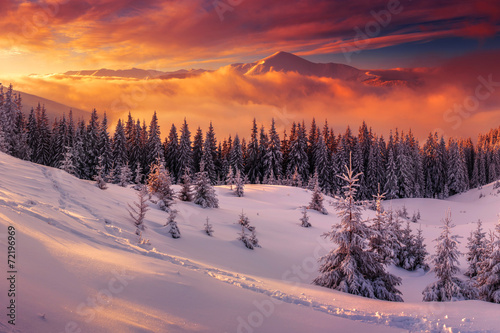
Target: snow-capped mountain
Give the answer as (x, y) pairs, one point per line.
(283, 62)
(288, 62)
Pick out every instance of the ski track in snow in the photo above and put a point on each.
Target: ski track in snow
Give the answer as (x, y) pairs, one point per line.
(412, 323)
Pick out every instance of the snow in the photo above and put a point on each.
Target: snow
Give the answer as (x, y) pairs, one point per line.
(80, 266)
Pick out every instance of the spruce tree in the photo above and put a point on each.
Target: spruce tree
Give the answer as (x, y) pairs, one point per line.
(317, 197)
(391, 185)
(304, 220)
(476, 250)
(160, 184)
(448, 287)
(125, 175)
(204, 193)
(489, 276)
(209, 230)
(185, 193)
(171, 224)
(239, 184)
(67, 162)
(245, 239)
(100, 176)
(138, 211)
(349, 267)
(379, 241)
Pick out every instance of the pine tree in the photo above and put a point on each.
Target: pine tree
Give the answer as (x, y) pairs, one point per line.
(304, 220)
(296, 179)
(125, 175)
(236, 155)
(476, 250)
(154, 148)
(138, 177)
(391, 185)
(209, 155)
(209, 230)
(273, 160)
(489, 277)
(448, 287)
(185, 150)
(317, 197)
(379, 241)
(160, 184)
(171, 224)
(230, 177)
(420, 252)
(197, 149)
(245, 239)
(253, 238)
(204, 193)
(67, 162)
(172, 153)
(239, 184)
(100, 176)
(138, 211)
(349, 267)
(119, 146)
(185, 192)
(252, 157)
(298, 160)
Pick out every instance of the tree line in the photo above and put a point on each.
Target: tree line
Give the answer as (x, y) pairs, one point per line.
(399, 164)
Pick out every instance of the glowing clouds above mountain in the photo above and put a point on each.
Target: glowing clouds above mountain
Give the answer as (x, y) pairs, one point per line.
(232, 99)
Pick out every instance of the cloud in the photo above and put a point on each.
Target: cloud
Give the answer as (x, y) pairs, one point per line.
(231, 100)
(166, 34)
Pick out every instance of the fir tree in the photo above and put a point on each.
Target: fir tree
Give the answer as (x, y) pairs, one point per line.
(160, 184)
(100, 177)
(245, 239)
(230, 177)
(489, 276)
(317, 197)
(185, 192)
(208, 228)
(138, 177)
(379, 241)
(273, 160)
(448, 287)
(239, 185)
(204, 193)
(304, 220)
(125, 175)
(476, 250)
(171, 224)
(67, 162)
(154, 148)
(349, 267)
(391, 185)
(138, 211)
(185, 150)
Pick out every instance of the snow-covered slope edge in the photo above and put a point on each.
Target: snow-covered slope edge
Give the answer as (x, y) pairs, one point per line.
(81, 268)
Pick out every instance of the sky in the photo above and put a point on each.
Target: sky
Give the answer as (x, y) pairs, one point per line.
(436, 38)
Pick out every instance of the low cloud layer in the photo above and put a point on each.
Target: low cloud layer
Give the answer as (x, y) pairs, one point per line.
(453, 99)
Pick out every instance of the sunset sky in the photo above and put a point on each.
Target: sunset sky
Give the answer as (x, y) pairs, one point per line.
(453, 42)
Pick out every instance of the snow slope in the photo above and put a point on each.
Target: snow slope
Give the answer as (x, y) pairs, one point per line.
(80, 268)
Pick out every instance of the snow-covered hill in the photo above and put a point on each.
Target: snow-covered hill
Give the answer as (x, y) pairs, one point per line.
(80, 267)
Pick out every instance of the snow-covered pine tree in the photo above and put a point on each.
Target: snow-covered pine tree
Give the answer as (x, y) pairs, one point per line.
(239, 184)
(317, 197)
(295, 179)
(185, 193)
(204, 193)
(209, 230)
(273, 160)
(448, 287)
(185, 150)
(489, 276)
(209, 155)
(252, 167)
(171, 224)
(322, 162)
(160, 184)
(244, 221)
(379, 241)
(67, 162)
(245, 239)
(391, 185)
(304, 220)
(138, 177)
(420, 252)
(138, 211)
(100, 176)
(349, 267)
(172, 153)
(119, 147)
(230, 177)
(154, 147)
(476, 253)
(125, 174)
(253, 238)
